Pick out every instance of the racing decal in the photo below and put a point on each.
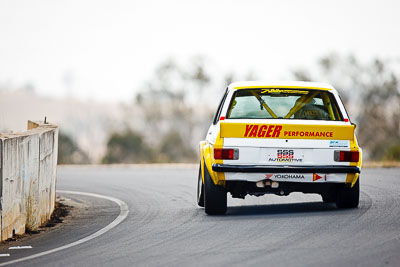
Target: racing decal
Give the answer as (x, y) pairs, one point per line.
(288, 131)
(268, 175)
(284, 91)
(316, 177)
(269, 131)
(288, 176)
(339, 143)
(285, 155)
(263, 131)
(282, 87)
(309, 134)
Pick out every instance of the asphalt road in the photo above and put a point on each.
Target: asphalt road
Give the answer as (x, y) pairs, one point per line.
(164, 226)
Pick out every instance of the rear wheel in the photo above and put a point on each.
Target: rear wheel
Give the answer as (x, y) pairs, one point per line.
(200, 190)
(349, 197)
(215, 202)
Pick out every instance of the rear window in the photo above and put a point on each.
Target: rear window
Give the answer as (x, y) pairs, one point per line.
(304, 104)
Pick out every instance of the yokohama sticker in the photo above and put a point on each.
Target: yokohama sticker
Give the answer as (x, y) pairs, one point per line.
(284, 176)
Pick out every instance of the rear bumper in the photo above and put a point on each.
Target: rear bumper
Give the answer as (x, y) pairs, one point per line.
(284, 169)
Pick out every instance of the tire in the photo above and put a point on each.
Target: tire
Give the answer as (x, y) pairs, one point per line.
(215, 202)
(349, 197)
(200, 190)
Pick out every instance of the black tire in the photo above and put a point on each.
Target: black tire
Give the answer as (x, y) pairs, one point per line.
(349, 197)
(215, 202)
(200, 190)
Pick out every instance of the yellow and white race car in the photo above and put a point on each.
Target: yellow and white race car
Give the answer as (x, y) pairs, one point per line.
(279, 138)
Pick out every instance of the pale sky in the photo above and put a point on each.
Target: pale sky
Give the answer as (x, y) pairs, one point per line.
(109, 48)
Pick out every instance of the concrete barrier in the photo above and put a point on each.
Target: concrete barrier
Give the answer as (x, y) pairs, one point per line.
(28, 164)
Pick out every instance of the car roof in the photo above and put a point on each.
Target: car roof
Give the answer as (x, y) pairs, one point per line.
(281, 84)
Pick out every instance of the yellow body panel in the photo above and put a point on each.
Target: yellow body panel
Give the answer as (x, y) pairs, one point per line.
(352, 178)
(207, 159)
(287, 131)
(201, 149)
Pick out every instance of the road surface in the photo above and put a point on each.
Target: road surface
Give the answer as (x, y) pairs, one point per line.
(164, 227)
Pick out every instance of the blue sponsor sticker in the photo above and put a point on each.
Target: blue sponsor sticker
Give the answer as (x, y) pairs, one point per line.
(339, 143)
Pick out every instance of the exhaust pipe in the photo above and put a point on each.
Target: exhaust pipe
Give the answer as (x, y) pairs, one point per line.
(274, 184)
(264, 183)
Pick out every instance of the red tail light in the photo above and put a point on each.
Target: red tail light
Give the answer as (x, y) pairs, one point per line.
(347, 156)
(226, 153)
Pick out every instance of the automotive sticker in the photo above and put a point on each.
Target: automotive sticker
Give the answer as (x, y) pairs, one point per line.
(285, 155)
(339, 143)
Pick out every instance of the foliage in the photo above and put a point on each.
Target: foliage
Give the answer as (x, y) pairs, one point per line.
(393, 153)
(127, 147)
(69, 152)
(174, 149)
(173, 115)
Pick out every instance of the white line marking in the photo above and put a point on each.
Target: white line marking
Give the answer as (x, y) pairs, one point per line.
(124, 210)
(20, 247)
(5, 255)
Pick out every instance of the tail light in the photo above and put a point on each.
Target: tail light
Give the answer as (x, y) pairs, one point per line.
(347, 156)
(226, 153)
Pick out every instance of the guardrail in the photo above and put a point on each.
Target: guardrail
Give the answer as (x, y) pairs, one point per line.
(28, 164)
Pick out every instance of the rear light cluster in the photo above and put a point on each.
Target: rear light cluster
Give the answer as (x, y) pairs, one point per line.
(226, 153)
(347, 156)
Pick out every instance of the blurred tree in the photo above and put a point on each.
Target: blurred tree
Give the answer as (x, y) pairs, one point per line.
(174, 149)
(393, 153)
(69, 152)
(173, 110)
(229, 78)
(127, 147)
(302, 75)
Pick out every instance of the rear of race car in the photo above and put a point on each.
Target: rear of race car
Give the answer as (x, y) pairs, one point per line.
(279, 139)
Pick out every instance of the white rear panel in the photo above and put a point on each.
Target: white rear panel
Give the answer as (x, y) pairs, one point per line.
(286, 152)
